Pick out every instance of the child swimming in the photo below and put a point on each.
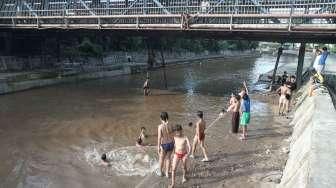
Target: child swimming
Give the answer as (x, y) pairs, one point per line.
(140, 140)
(104, 159)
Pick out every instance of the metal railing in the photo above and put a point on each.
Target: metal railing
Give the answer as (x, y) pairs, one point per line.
(188, 14)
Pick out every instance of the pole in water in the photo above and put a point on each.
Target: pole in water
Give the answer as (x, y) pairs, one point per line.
(276, 66)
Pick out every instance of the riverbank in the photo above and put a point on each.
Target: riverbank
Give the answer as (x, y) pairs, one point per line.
(288, 66)
(14, 82)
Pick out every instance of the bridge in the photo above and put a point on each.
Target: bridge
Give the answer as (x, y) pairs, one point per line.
(309, 16)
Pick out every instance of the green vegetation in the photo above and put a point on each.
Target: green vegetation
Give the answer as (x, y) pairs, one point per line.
(93, 47)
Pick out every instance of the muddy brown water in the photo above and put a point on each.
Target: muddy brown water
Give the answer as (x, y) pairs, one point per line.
(53, 136)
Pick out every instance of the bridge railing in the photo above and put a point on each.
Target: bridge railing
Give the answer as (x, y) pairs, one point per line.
(167, 13)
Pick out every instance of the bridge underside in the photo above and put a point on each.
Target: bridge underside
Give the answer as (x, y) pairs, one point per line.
(253, 35)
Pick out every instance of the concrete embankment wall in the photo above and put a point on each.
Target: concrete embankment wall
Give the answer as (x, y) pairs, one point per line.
(19, 83)
(9, 87)
(312, 157)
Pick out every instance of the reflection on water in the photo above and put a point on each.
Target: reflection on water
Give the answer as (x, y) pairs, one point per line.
(54, 136)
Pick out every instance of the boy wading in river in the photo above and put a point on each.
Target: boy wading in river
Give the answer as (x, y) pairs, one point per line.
(182, 150)
(284, 92)
(234, 108)
(200, 137)
(165, 144)
(146, 87)
(245, 110)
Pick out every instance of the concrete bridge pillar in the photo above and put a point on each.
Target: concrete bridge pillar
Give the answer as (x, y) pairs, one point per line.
(299, 69)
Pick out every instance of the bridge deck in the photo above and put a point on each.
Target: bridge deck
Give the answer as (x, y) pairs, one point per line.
(317, 16)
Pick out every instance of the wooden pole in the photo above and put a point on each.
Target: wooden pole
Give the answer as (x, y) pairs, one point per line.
(280, 49)
(300, 64)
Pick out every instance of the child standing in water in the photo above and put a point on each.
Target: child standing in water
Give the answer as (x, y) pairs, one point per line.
(245, 110)
(200, 136)
(146, 87)
(165, 143)
(234, 108)
(182, 150)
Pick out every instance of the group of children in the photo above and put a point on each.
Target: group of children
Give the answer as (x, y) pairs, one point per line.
(288, 85)
(172, 141)
(174, 147)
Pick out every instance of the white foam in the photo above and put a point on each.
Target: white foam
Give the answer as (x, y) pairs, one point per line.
(125, 161)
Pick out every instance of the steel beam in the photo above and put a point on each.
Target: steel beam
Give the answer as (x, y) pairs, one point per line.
(263, 10)
(29, 8)
(87, 8)
(161, 6)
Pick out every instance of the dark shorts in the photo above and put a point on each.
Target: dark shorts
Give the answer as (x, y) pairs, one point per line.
(168, 146)
(235, 122)
(202, 136)
(288, 96)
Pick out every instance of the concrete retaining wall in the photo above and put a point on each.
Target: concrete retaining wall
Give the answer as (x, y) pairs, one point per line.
(312, 157)
(9, 87)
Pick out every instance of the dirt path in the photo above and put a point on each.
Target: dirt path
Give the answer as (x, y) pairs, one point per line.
(256, 162)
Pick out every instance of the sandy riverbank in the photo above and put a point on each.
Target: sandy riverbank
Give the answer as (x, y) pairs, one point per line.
(257, 162)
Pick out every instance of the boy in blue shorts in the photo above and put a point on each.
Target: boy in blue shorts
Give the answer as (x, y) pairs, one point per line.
(245, 110)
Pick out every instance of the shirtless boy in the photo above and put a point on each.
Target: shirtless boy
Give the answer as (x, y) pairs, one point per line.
(165, 143)
(283, 101)
(146, 87)
(200, 137)
(182, 150)
(234, 108)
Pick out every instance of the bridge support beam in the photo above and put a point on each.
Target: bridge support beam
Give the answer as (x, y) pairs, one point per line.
(299, 69)
(280, 49)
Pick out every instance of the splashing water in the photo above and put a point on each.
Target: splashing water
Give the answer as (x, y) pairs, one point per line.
(125, 161)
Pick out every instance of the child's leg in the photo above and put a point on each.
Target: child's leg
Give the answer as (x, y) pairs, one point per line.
(281, 107)
(175, 164)
(168, 163)
(287, 106)
(184, 179)
(245, 131)
(194, 146)
(161, 160)
(204, 150)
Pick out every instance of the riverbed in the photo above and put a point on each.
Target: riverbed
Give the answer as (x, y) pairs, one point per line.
(54, 136)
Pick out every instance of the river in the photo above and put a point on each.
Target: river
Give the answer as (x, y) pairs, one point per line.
(53, 136)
